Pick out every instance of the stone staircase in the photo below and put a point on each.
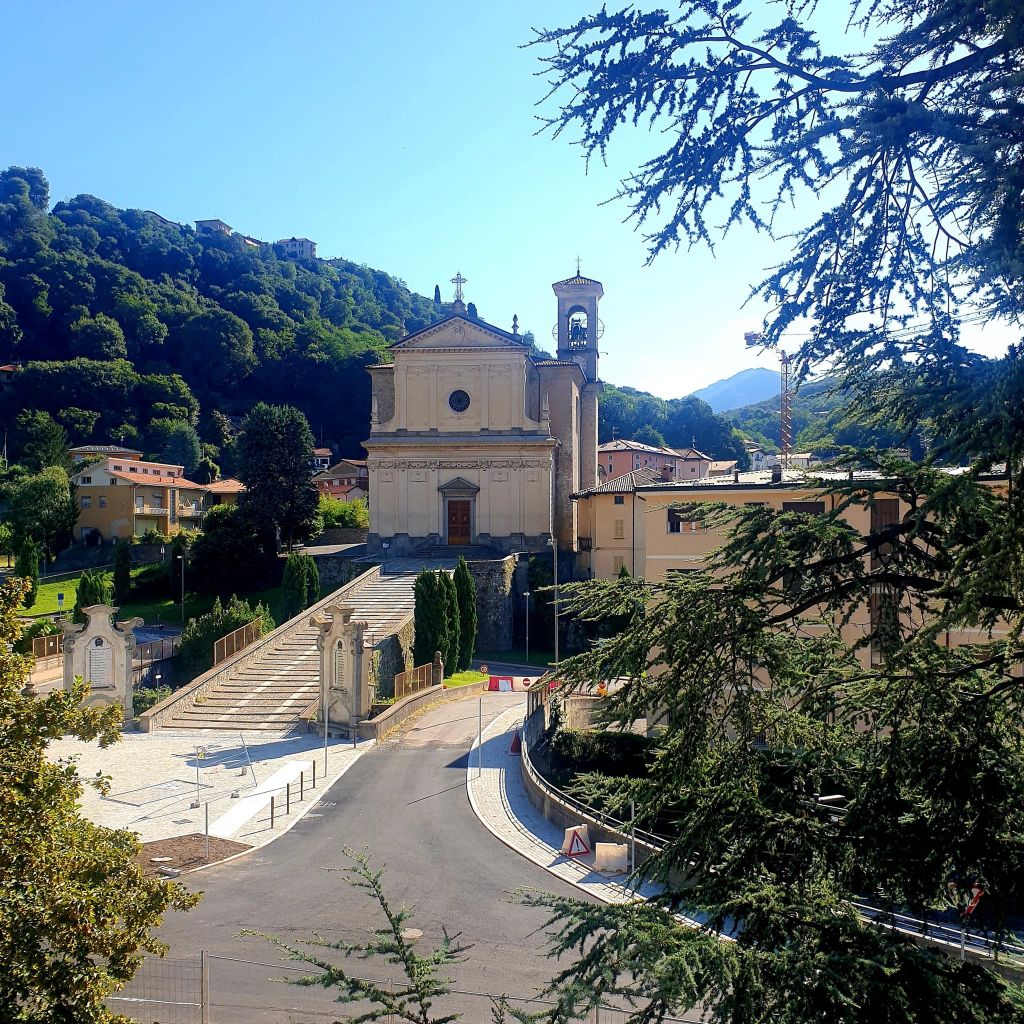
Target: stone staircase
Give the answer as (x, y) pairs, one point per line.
(269, 686)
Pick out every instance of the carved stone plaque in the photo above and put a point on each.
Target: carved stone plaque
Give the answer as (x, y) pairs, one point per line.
(99, 665)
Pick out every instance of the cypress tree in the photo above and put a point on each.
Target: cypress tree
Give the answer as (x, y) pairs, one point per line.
(27, 565)
(312, 581)
(93, 588)
(465, 591)
(293, 585)
(437, 294)
(451, 607)
(429, 619)
(122, 572)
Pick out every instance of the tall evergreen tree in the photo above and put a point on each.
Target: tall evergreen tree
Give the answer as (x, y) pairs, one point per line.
(26, 565)
(274, 450)
(122, 572)
(429, 618)
(465, 592)
(93, 588)
(300, 584)
(437, 294)
(450, 653)
(909, 146)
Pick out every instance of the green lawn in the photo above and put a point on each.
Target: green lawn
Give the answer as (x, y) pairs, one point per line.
(152, 610)
(466, 678)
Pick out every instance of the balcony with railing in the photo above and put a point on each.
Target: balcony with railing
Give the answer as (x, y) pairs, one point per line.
(151, 510)
(190, 511)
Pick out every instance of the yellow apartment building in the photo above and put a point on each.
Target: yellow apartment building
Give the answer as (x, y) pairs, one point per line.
(654, 528)
(124, 496)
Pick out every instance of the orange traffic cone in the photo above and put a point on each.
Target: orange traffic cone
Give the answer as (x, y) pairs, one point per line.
(517, 744)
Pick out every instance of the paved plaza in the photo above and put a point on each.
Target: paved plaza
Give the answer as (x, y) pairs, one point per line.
(156, 778)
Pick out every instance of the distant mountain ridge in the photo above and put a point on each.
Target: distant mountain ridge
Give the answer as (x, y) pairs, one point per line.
(743, 388)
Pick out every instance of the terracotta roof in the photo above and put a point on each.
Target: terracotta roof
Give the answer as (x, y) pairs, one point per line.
(723, 466)
(229, 485)
(692, 453)
(322, 451)
(625, 484)
(8, 367)
(623, 445)
(555, 362)
(578, 279)
(159, 481)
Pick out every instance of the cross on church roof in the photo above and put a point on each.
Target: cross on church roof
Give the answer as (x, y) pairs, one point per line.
(458, 280)
(577, 266)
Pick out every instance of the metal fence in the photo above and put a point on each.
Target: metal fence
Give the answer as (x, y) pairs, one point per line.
(211, 989)
(171, 991)
(48, 646)
(231, 644)
(416, 679)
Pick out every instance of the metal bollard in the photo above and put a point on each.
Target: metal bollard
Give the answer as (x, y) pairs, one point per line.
(314, 774)
(288, 799)
(302, 786)
(271, 812)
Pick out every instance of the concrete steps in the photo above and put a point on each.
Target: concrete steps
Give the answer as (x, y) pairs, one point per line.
(269, 693)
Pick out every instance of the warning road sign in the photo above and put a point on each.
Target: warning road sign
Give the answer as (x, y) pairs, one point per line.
(577, 847)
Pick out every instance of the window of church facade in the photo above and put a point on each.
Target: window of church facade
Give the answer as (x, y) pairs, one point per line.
(620, 529)
(618, 562)
(458, 400)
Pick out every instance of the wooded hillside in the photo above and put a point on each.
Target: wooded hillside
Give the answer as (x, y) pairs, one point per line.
(123, 319)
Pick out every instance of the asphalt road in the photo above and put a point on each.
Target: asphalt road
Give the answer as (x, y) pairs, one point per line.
(406, 803)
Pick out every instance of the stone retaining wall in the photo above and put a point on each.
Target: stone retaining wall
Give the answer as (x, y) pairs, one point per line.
(392, 655)
(494, 602)
(341, 535)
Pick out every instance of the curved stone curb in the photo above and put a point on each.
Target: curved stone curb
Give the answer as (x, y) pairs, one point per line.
(522, 827)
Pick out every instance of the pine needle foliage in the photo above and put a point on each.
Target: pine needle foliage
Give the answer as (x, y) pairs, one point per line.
(430, 620)
(122, 573)
(453, 627)
(761, 707)
(409, 1000)
(93, 588)
(465, 589)
(905, 143)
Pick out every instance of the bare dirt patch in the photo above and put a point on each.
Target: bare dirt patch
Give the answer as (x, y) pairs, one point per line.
(184, 853)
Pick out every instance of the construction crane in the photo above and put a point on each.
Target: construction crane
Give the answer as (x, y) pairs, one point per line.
(752, 339)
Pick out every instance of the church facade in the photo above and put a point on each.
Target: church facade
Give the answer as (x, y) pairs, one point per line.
(474, 440)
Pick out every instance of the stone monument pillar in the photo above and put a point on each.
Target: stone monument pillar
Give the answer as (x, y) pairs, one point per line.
(345, 689)
(100, 651)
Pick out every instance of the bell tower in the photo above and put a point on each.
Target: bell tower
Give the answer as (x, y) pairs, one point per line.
(578, 328)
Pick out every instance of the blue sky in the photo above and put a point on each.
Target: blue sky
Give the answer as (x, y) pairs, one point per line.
(398, 135)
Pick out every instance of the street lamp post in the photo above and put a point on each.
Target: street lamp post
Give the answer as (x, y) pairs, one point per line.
(181, 558)
(525, 594)
(554, 559)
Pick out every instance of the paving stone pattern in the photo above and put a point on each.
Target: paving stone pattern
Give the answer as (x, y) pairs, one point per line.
(499, 799)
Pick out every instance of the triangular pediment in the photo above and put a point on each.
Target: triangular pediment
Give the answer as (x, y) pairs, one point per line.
(461, 332)
(460, 487)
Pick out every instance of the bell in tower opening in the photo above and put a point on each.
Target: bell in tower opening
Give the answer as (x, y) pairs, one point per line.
(578, 327)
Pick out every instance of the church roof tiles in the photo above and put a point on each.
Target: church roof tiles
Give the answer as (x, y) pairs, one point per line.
(627, 483)
(578, 279)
